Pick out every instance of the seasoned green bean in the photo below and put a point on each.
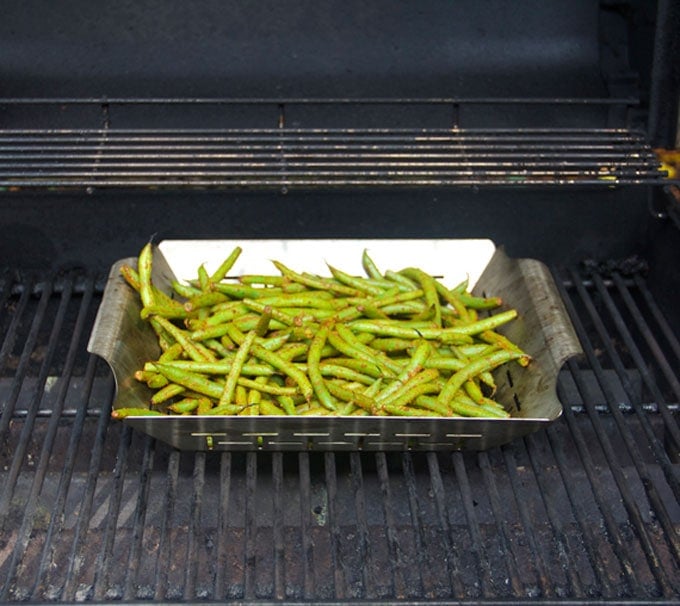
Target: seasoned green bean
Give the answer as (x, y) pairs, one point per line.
(235, 371)
(314, 371)
(144, 266)
(398, 342)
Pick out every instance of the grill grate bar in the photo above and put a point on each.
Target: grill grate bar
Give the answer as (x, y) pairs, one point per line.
(28, 519)
(397, 573)
(452, 557)
(195, 531)
(635, 516)
(57, 520)
(165, 550)
(613, 533)
(363, 535)
(21, 372)
(507, 546)
(415, 517)
(657, 447)
(312, 157)
(338, 562)
(135, 552)
(482, 560)
(76, 558)
(106, 558)
(251, 506)
(521, 498)
(548, 496)
(568, 482)
(305, 526)
(654, 347)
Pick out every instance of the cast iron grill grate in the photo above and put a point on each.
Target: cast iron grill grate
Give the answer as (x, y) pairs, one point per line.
(90, 510)
(309, 143)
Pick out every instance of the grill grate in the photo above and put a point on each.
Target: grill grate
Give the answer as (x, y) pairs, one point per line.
(406, 143)
(588, 509)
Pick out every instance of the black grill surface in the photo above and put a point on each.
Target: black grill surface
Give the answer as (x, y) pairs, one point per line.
(586, 510)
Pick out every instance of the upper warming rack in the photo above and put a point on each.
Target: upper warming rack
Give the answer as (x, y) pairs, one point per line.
(310, 143)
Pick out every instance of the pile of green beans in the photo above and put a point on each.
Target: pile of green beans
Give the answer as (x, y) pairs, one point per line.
(290, 343)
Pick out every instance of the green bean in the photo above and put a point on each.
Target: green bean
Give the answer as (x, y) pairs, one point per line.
(389, 329)
(191, 380)
(184, 290)
(262, 279)
(235, 370)
(122, 413)
(144, 266)
(313, 370)
(271, 389)
(171, 353)
(401, 280)
(480, 302)
(203, 278)
(241, 291)
(250, 321)
(130, 276)
(268, 307)
(413, 366)
(369, 266)
(360, 284)
(190, 347)
(454, 299)
(205, 299)
(363, 366)
(504, 343)
(165, 340)
(286, 368)
(476, 349)
(408, 411)
(219, 368)
(166, 393)
(165, 311)
(183, 406)
(343, 372)
(473, 390)
(488, 323)
(313, 299)
(205, 405)
(317, 283)
(224, 409)
(255, 395)
(220, 273)
(267, 407)
(226, 312)
(240, 396)
(252, 410)
(355, 349)
(468, 408)
(355, 396)
(427, 283)
(430, 403)
(290, 351)
(287, 404)
(392, 344)
(441, 363)
(158, 381)
(405, 308)
(405, 391)
(456, 381)
(262, 325)
(370, 311)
